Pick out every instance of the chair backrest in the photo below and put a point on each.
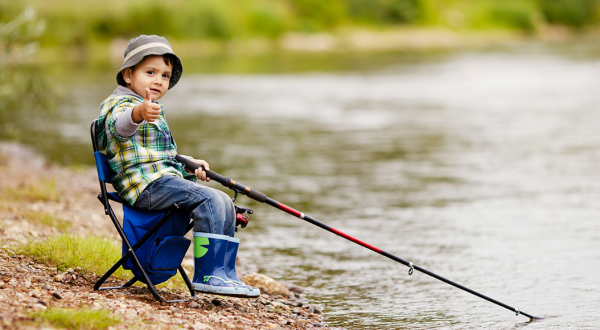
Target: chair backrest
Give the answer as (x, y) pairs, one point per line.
(105, 174)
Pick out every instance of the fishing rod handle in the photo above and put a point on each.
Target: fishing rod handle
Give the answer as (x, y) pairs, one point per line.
(192, 165)
(225, 181)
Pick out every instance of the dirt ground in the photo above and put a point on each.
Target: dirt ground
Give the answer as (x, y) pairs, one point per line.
(70, 196)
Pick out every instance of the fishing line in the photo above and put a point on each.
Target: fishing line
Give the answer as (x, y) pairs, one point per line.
(260, 197)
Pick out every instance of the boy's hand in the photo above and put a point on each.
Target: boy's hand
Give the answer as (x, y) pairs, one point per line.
(147, 110)
(200, 174)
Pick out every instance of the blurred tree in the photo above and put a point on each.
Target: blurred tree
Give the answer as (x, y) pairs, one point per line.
(22, 82)
(575, 13)
(384, 11)
(316, 15)
(79, 24)
(512, 14)
(266, 21)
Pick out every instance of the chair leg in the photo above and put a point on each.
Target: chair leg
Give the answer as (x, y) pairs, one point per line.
(118, 264)
(125, 285)
(110, 272)
(150, 285)
(187, 281)
(130, 283)
(131, 253)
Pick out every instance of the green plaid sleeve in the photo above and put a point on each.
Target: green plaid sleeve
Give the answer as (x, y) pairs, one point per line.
(119, 109)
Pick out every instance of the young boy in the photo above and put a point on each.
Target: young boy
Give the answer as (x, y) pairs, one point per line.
(134, 133)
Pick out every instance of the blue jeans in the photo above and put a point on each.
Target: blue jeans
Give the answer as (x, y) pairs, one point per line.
(211, 209)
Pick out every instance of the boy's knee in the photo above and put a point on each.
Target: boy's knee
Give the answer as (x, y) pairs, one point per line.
(226, 199)
(218, 197)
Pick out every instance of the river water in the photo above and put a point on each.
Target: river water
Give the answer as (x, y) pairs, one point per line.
(479, 166)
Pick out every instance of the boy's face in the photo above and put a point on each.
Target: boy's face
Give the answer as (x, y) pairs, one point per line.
(150, 73)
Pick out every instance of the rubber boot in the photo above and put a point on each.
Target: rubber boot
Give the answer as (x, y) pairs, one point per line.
(230, 256)
(209, 272)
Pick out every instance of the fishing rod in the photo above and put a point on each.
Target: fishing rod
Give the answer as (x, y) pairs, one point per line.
(260, 197)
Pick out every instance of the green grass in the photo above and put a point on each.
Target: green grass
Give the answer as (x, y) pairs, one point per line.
(83, 319)
(41, 191)
(92, 253)
(46, 219)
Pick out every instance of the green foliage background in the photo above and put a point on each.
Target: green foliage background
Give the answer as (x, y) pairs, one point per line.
(22, 81)
(76, 22)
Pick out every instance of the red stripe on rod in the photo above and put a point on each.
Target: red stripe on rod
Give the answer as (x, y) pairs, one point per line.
(355, 240)
(289, 210)
(298, 214)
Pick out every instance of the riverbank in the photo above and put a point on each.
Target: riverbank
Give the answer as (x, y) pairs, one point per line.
(301, 52)
(341, 42)
(39, 201)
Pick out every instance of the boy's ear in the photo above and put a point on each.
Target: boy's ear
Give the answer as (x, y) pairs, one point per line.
(127, 75)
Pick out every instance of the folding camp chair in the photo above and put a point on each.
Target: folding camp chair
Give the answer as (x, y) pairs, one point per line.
(146, 263)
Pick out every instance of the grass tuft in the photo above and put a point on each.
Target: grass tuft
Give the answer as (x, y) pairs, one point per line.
(46, 219)
(84, 319)
(92, 253)
(43, 191)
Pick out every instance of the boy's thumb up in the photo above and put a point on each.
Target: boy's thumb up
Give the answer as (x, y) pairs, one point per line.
(150, 111)
(148, 96)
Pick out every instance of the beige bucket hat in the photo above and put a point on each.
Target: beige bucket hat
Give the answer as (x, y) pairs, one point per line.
(144, 45)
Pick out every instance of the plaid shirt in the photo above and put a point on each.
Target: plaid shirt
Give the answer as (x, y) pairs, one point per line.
(140, 159)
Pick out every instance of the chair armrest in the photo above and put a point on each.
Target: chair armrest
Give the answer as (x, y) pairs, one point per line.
(112, 196)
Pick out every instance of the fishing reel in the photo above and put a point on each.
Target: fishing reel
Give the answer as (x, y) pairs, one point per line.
(241, 219)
